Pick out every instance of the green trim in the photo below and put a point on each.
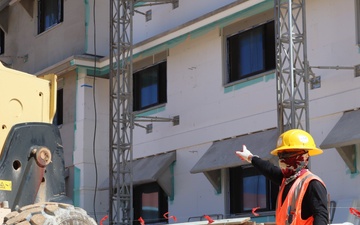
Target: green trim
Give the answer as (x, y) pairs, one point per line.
(163, 46)
(356, 173)
(248, 12)
(76, 194)
(352, 175)
(151, 111)
(256, 9)
(263, 219)
(72, 62)
(99, 72)
(269, 77)
(238, 86)
(218, 191)
(172, 166)
(139, 3)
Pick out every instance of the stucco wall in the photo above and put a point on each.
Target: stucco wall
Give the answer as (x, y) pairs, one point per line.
(196, 93)
(208, 110)
(331, 42)
(32, 52)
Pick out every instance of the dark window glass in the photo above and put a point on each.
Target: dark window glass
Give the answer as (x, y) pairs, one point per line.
(249, 189)
(50, 13)
(150, 87)
(150, 203)
(58, 118)
(251, 52)
(2, 42)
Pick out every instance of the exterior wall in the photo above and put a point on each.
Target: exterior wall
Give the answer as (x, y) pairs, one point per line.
(165, 18)
(31, 52)
(101, 24)
(208, 112)
(331, 42)
(28, 51)
(208, 109)
(190, 201)
(91, 136)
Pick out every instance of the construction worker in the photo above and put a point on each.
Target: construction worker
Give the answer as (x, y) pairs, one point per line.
(302, 198)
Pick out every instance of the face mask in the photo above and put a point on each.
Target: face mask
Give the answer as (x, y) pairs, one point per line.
(293, 163)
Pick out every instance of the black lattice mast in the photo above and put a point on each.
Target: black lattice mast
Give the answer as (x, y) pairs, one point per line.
(292, 70)
(121, 116)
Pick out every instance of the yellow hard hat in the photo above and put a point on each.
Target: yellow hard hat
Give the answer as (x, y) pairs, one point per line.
(296, 139)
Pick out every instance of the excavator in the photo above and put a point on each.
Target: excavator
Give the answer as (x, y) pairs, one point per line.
(32, 170)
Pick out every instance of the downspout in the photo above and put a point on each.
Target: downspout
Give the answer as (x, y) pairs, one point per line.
(87, 19)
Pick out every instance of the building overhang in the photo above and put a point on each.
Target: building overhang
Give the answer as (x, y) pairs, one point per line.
(4, 10)
(221, 154)
(4, 4)
(217, 18)
(155, 168)
(75, 62)
(345, 138)
(163, 41)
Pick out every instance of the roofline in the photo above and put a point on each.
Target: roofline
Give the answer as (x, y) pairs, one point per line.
(167, 36)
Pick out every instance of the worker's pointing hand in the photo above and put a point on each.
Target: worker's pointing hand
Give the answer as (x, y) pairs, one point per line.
(245, 154)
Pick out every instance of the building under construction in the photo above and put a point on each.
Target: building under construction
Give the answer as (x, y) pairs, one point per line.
(155, 97)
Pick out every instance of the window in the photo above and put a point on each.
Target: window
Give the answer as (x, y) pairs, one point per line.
(58, 118)
(50, 13)
(150, 87)
(2, 42)
(150, 203)
(249, 189)
(251, 52)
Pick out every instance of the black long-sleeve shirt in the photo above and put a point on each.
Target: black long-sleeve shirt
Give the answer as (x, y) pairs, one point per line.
(315, 198)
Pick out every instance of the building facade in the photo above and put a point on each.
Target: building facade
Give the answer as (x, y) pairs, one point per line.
(209, 67)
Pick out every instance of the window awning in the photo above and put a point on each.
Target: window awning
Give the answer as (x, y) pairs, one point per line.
(4, 4)
(154, 168)
(345, 132)
(4, 11)
(221, 154)
(345, 137)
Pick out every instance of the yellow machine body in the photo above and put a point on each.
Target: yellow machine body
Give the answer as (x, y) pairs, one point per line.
(25, 98)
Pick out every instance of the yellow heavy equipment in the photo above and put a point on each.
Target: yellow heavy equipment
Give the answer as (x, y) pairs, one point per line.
(32, 181)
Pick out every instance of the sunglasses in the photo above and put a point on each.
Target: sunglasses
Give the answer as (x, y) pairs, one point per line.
(289, 154)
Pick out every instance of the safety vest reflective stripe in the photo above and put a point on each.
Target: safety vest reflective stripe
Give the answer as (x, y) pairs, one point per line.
(289, 212)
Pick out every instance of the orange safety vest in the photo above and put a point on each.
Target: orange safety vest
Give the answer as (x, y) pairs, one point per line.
(289, 212)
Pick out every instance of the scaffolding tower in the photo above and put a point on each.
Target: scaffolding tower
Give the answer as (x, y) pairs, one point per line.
(121, 109)
(292, 69)
(121, 117)
(292, 73)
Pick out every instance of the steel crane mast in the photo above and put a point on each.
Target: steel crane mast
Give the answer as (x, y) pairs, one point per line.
(121, 116)
(292, 69)
(292, 73)
(121, 109)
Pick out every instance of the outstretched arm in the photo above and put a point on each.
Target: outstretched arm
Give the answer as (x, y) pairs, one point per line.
(269, 170)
